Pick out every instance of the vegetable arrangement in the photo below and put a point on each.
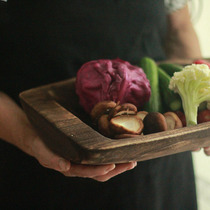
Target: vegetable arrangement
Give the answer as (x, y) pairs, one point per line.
(124, 120)
(125, 100)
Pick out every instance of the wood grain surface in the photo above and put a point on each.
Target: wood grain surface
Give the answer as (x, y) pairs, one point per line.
(67, 130)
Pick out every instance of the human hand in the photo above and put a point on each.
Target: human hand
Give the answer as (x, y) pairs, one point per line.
(50, 160)
(205, 149)
(16, 129)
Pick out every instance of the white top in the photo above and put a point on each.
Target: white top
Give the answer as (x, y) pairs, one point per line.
(173, 5)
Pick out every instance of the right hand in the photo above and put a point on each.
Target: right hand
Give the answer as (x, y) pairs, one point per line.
(17, 130)
(50, 160)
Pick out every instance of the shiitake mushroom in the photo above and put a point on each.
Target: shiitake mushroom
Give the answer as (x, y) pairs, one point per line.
(101, 108)
(123, 121)
(172, 120)
(126, 108)
(126, 124)
(104, 125)
(154, 122)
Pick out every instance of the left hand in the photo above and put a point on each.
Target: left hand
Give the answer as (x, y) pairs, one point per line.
(205, 149)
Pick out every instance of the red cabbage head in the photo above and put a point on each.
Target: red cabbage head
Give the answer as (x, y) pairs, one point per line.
(115, 80)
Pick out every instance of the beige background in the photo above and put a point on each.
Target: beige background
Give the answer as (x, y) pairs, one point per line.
(200, 12)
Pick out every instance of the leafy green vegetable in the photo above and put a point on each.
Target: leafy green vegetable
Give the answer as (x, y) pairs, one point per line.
(193, 86)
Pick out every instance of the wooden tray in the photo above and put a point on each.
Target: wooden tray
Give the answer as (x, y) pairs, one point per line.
(54, 111)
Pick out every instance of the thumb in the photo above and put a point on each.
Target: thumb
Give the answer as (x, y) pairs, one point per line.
(57, 163)
(47, 158)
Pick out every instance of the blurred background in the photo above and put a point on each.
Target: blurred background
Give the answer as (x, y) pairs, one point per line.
(201, 19)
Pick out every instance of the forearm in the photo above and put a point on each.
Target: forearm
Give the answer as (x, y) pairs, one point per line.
(183, 44)
(181, 40)
(16, 129)
(13, 123)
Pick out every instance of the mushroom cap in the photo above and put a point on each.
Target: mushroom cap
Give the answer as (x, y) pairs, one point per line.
(101, 108)
(154, 122)
(104, 125)
(172, 120)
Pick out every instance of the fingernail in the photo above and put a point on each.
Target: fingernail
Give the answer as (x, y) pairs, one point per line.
(63, 164)
(134, 164)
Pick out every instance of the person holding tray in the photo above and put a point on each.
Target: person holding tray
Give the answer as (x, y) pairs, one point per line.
(48, 41)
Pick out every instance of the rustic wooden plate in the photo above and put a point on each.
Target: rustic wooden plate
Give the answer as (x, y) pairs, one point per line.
(64, 127)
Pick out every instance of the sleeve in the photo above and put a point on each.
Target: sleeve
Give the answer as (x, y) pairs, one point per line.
(173, 5)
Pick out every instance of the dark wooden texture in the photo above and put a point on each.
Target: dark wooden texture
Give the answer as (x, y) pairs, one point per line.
(64, 127)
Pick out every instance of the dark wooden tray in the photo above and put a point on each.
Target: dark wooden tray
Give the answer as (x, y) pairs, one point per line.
(64, 127)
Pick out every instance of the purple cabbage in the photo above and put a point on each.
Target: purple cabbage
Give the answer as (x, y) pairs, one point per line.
(116, 80)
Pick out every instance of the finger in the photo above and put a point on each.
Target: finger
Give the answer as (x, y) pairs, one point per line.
(89, 170)
(120, 168)
(55, 162)
(196, 150)
(207, 150)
